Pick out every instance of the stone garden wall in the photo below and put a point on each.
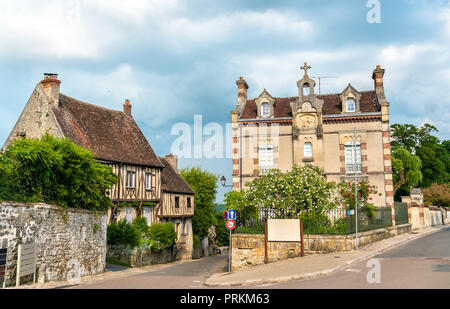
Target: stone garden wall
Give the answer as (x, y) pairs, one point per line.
(69, 242)
(138, 256)
(248, 249)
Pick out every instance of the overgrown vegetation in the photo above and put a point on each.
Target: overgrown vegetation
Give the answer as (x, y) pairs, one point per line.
(54, 171)
(156, 237)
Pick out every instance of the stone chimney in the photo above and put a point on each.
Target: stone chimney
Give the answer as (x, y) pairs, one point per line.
(377, 76)
(242, 94)
(127, 107)
(173, 161)
(51, 83)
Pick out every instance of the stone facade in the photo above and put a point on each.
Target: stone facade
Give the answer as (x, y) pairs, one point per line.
(315, 130)
(68, 241)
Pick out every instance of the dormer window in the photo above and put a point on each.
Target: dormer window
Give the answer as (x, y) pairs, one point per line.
(350, 105)
(265, 110)
(305, 89)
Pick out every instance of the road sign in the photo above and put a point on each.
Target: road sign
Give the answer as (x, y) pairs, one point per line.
(225, 214)
(231, 214)
(230, 224)
(350, 212)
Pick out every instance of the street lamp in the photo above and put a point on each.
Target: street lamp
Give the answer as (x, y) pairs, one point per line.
(223, 181)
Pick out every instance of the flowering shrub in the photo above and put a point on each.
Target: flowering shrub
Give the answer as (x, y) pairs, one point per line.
(364, 190)
(290, 192)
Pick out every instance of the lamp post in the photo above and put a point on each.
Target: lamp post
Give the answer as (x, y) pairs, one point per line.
(223, 181)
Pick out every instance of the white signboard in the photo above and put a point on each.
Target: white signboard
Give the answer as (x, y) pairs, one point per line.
(283, 230)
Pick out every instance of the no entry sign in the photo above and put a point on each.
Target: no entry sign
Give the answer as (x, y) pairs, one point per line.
(230, 224)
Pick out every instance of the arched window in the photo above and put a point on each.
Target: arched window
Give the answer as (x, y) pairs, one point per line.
(351, 105)
(265, 111)
(350, 164)
(307, 150)
(306, 89)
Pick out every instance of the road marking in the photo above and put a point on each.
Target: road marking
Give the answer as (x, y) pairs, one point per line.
(353, 270)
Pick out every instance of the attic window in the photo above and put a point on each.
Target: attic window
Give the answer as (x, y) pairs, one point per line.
(306, 89)
(351, 105)
(265, 111)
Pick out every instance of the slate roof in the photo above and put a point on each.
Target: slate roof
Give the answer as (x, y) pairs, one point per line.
(172, 181)
(109, 134)
(332, 105)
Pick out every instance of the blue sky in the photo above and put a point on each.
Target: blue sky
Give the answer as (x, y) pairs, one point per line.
(177, 58)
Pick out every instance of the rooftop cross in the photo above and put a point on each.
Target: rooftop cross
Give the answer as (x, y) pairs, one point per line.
(305, 67)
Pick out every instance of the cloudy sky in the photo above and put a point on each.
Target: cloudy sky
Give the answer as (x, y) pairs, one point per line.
(178, 58)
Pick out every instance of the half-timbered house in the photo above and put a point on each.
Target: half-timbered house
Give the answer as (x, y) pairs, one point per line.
(147, 186)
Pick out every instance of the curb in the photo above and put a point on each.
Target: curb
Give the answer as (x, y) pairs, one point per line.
(318, 273)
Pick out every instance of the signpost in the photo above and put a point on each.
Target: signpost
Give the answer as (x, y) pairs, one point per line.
(230, 216)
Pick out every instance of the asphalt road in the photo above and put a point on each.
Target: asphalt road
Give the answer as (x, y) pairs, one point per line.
(188, 275)
(423, 263)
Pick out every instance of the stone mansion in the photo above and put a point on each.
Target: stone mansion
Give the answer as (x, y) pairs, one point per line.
(276, 133)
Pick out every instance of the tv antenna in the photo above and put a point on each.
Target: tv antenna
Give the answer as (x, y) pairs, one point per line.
(320, 77)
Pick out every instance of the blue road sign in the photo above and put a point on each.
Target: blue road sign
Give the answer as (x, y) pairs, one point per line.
(231, 214)
(225, 215)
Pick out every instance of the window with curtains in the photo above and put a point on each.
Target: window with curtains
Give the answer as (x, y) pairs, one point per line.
(148, 181)
(265, 110)
(307, 150)
(131, 179)
(350, 164)
(265, 158)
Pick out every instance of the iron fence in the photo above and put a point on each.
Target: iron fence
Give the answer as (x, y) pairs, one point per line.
(339, 221)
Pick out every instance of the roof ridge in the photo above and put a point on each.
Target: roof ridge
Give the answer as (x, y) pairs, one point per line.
(92, 104)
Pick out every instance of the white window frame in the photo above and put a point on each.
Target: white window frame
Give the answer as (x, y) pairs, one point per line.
(349, 157)
(353, 104)
(265, 109)
(266, 161)
(148, 181)
(308, 150)
(131, 179)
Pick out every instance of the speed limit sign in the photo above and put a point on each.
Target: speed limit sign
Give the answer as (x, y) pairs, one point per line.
(230, 224)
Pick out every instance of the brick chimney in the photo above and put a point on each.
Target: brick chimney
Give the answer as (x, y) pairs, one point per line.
(173, 161)
(242, 94)
(377, 76)
(51, 83)
(127, 107)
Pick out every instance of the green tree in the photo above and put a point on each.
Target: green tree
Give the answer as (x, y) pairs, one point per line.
(405, 169)
(54, 171)
(433, 154)
(204, 185)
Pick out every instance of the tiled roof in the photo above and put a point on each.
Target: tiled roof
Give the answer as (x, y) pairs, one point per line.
(332, 105)
(109, 134)
(172, 181)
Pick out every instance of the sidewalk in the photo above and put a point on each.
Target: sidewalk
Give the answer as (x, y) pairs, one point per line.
(311, 266)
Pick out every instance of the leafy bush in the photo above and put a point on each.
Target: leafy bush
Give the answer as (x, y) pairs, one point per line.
(437, 195)
(123, 233)
(140, 224)
(54, 171)
(164, 233)
(197, 241)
